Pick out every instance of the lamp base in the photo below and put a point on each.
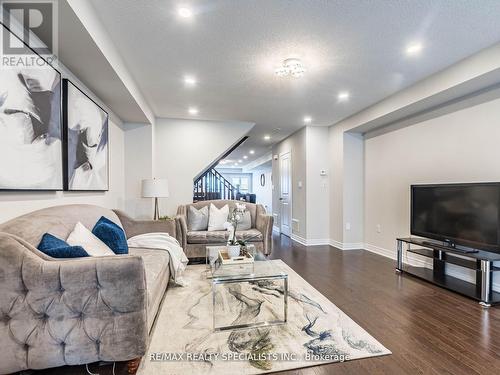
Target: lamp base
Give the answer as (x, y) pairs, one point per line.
(157, 210)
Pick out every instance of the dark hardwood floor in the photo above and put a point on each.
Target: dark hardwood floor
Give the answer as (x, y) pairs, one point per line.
(428, 329)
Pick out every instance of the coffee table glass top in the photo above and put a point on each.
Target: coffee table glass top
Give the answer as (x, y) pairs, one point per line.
(260, 268)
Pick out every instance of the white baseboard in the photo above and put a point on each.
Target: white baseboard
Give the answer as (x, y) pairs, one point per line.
(309, 242)
(345, 246)
(411, 259)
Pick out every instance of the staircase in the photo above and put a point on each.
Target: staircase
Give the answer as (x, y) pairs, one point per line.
(212, 185)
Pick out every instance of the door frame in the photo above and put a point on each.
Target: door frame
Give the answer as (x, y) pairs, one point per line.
(290, 194)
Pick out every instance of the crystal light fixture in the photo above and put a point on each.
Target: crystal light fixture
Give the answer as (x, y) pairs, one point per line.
(291, 67)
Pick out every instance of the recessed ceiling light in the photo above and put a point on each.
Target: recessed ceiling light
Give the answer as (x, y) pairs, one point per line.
(185, 12)
(240, 161)
(307, 119)
(235, 164)
(193, 111)
(267, 137)
(252, 152)
(245, 157)
(414, 49)
(343, 95)
(190, 80)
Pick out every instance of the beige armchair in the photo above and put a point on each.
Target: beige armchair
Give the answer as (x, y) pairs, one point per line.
(195, 242)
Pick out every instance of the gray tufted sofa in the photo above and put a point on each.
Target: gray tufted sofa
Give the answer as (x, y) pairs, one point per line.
(56, 312)
(194, 243)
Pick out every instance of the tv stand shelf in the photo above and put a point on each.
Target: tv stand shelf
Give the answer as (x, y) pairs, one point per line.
(481, 262)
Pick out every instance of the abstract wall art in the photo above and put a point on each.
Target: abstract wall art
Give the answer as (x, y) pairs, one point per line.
(31, 132)
(86, 138)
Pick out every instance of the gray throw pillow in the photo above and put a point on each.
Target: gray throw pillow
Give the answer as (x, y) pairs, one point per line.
(246, 223)
(198, 219)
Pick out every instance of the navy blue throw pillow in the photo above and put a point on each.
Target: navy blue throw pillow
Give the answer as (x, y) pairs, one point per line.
(57, 248)
(112, 235)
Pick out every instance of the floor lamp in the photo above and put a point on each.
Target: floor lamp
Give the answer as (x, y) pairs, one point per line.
(155, 188)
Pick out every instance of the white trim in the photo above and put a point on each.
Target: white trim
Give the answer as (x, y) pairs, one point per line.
(298, 239)
(353, 246)
(310, 242)
(409, 258)
(318, 241)
(346, 246)
(276, 229)
(380, 251)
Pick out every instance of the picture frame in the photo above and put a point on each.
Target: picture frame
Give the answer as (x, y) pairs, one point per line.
(32, 131)
(86, 135)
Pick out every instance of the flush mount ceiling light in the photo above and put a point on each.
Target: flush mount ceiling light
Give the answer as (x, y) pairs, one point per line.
(193, 111)
(292, 67)
(185, 12)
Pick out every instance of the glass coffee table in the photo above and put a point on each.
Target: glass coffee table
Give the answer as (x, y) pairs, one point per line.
(243, 282)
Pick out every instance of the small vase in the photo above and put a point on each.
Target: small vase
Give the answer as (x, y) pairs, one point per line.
(233, 251)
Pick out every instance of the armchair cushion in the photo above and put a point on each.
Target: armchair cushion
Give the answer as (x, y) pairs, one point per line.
(218, 237)
(112, 235)
(217, 217)
(198, 219)
(246, 222)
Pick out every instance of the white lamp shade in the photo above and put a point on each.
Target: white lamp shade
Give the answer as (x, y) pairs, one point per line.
(155, 188)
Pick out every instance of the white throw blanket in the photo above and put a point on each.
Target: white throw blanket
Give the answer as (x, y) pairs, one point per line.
(163, 241)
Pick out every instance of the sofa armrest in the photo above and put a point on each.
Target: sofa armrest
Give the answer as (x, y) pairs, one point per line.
(264, 224)
(134, 227)
(181, 219)
(66, 312)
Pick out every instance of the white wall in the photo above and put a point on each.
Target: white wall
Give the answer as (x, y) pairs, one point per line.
(317, 193)
(459, 147)
(353, 197)
(138, 166)
(184, 148)
(264, 193)
(336, 172)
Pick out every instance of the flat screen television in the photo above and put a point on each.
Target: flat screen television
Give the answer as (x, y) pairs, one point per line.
(458, 214)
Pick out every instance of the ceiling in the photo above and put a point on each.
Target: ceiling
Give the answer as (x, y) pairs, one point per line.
(233, 46)
(99, 76)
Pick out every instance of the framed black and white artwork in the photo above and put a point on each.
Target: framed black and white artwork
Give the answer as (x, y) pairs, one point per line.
(86, 141)
(31, 132)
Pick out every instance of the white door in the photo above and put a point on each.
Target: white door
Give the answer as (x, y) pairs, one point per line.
(285, 194)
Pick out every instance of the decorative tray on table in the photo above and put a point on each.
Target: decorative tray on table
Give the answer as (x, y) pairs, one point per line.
(242, 259)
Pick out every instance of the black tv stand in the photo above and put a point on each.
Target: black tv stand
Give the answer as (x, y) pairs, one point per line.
(479, 261)
(450, 246)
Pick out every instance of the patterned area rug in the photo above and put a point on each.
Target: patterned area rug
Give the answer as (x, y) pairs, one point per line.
(317, 331)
